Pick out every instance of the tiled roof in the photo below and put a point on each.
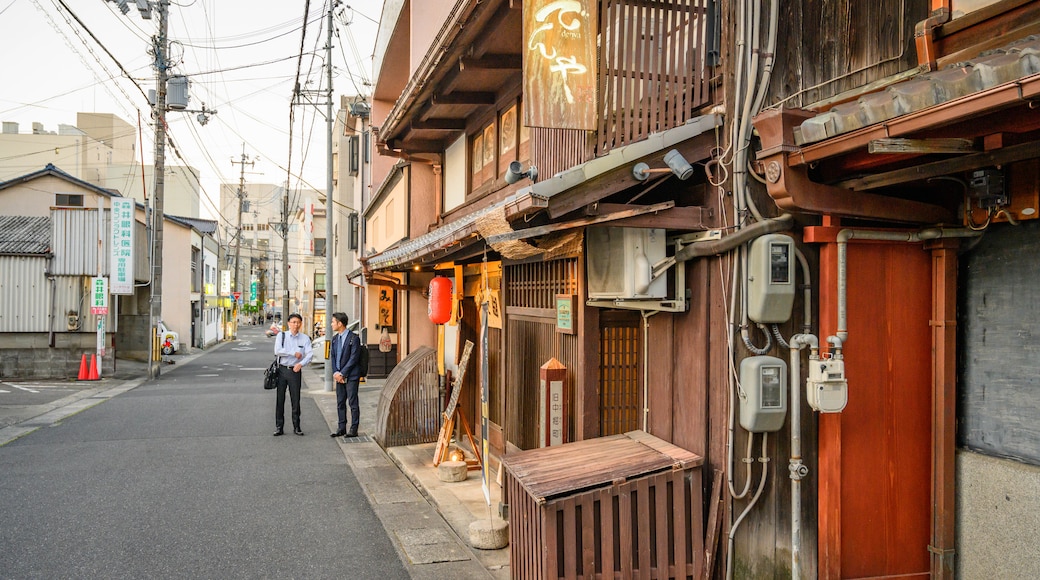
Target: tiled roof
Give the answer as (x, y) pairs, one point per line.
(989, 69)
(25, 235)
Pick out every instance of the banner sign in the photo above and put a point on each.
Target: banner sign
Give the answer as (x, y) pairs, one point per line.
(99, 295)
(121, 248)
(560, 64)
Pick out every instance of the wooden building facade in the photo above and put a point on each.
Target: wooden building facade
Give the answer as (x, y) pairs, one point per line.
(881, 142)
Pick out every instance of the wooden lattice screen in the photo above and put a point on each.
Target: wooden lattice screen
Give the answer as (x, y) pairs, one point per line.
(652, 73)
(620, 373)
(531, 339)
(536, 284)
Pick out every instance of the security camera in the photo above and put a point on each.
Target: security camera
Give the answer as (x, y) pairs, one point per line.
(516, 173)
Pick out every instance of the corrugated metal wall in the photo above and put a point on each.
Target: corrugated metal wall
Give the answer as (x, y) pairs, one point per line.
(25, 298)
(24, 294)
(75, 242)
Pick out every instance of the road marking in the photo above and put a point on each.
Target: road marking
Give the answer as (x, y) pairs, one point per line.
(18, 387)
(3, 391)
(243, 349)
(207, 375)
(253, 369)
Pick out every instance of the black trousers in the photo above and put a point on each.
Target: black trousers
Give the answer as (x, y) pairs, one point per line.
(347, 393)
(294, 381)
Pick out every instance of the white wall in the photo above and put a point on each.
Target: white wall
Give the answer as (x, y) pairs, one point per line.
(455, 174)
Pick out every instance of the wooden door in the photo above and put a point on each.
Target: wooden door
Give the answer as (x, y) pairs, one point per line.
(620, 372)
(875, 457)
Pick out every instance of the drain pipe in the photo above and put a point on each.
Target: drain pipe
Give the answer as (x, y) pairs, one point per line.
(847, 234)
(797, 470)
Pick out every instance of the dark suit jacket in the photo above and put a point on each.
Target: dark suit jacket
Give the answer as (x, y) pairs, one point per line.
(345, 354)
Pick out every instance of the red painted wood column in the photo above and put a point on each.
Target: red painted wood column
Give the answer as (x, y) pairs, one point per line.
(944, 406)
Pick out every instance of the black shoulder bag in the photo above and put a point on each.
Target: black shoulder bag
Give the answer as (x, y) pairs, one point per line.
(271, 374)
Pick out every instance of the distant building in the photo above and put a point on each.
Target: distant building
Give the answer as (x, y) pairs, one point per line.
(101, 149)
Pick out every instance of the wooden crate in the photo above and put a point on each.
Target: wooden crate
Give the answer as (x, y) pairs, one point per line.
(625, 506)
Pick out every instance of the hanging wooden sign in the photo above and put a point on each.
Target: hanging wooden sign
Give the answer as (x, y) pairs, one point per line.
(560, 64)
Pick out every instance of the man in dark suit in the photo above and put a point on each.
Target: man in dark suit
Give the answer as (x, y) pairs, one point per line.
(346, 351)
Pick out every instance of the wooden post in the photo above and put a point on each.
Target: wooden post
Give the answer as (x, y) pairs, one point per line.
(552, 403)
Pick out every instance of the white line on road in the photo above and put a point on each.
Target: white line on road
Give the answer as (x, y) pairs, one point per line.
(207, 375)
(22, 388)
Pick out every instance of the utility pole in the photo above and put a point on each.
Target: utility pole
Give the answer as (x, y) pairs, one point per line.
(329, 121)
(329, 247)
(162, 66)
(238, 236)
(159, 112)
(285, 258)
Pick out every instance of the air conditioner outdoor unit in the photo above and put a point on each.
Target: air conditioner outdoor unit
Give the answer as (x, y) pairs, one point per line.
(619, 262)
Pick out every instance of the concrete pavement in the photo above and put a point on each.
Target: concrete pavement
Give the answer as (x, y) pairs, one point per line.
(427, 520)
(431, 529)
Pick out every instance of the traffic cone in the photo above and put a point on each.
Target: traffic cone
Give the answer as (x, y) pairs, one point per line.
(93, 369)
(83, 373)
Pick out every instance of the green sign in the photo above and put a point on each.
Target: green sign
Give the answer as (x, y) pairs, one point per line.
(252, 291)
(565, 313)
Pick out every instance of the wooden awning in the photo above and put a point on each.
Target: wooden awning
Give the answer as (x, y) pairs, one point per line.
(877, 157)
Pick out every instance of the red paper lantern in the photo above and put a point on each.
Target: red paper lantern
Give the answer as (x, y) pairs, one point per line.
(440, 300)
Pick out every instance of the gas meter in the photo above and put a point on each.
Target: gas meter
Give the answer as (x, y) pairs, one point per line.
(763, 395)
(827, 390)
(771, 279)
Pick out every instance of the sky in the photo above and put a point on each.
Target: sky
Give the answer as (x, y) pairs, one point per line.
(241, 56)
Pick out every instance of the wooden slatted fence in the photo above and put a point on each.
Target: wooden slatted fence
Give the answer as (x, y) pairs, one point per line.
(626, 506)
(409, 409)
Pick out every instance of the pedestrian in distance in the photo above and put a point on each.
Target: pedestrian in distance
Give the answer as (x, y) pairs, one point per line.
(346, 374)
(293, 350)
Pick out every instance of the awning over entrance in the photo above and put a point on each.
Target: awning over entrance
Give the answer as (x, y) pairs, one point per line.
(562, 194)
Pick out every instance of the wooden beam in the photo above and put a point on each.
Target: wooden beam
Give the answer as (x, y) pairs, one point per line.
(921, 146)
(492, 62)
(464, 98)
(441, 124)
(416, 146)
(694, 218)
(944, 167)
(542, 230)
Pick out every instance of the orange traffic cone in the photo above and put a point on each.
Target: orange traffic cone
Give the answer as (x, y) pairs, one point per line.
(83, 373)
(93, 369)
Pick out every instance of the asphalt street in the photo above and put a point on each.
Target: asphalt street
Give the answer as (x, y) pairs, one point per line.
(181, 478)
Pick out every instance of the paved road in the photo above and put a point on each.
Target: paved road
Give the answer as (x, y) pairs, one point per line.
(181, 478)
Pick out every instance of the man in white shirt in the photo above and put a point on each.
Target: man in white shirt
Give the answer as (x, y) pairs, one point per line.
(293, 350)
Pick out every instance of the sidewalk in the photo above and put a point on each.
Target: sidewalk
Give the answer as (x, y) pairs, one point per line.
(427, 519)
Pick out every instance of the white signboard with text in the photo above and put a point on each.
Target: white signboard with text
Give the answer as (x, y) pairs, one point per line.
(121, 257)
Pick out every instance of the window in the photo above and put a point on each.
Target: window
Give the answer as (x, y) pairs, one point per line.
(353, 155)
(319, 246)
(352, 232)
(497, 144)
(482, 157)
(68, 200)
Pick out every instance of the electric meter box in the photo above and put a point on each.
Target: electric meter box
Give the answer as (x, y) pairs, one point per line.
(763, 401)
(827, 390)
(771, 279)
